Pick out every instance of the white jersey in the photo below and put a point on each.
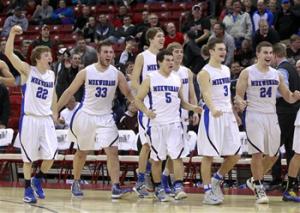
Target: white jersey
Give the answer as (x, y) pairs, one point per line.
(262, 89)
(164, 98)
(183, 73)
(220, 87)
(100, 89)
(150, 65)
(38, 92)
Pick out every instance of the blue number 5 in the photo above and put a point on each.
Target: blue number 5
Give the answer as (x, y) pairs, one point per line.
(168, 97)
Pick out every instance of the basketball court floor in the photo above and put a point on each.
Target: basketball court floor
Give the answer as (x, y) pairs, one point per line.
(95, 200)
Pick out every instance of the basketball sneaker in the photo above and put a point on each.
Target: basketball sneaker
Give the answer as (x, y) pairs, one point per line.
(179, 192)
(216, 188)
(141, 190)
(211, 199)
(166, 186)
(75, 189)
(250, 184)
(29, 196)
(290, 196)
(117, 192)
(148, 182)
(261, 197)
(36, 184)
(161, 195)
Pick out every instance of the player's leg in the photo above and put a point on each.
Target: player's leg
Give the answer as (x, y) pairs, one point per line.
(78, 164)
(165, 178)
(28, 191)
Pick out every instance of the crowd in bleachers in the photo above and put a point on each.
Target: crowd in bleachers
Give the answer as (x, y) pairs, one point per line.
(73, 28)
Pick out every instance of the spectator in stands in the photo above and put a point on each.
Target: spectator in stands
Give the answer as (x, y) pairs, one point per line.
(219, 32)
(141, 27)
(4, 58)
(63, 55)
(42, 13)
(298, 67)
(199, 24)
(262, 13)
(127, 54)
(126, 30)
(88, 53)
(25, 47)
(118, 20)
(105, 30)
(235, 70)
(6, 78)
(248, 7)
(172, 35)
(226, 10)
(191, 52)
(272, 6)
(67, 113)
(296, 9)
(82, 19)
(89, 31)
(238, 24)
(293, 51)
(128, 69)
(17, 19)
(265, 33)
(44, 40)
(30, 8)
(67, 75)
(285, 21)
(4, 106)
(245, 55)
(63, 14)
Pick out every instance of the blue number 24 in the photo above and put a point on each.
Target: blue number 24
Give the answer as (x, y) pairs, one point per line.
(265, 92)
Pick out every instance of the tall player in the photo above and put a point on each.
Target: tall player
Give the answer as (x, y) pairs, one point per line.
(165, 131)
(145, 63)
(259, 83)
(95, 115)
(188, 93)
(218, 133)
(39, 141)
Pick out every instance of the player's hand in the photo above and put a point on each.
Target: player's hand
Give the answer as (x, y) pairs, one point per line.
(150, 114)
(238, 120)
(240, 103)
(216, 113)
(55, 117)
(296, 94)
(197, 109)
(17, 30)
(195, 119)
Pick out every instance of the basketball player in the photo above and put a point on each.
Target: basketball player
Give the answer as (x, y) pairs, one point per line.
(290, 193)
(188, 92)
(95, 115)
(145, 63)
(38, 141)
(165, 131)
(260, 83)
(218, 133)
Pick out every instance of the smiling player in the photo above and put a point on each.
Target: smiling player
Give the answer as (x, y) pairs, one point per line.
(260, 83)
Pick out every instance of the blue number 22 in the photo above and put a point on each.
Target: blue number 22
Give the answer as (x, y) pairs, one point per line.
(42, 93)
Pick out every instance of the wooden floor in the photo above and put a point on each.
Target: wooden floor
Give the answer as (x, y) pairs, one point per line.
(59, 200)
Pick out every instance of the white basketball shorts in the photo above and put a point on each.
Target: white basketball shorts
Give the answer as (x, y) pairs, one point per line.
(143, 121)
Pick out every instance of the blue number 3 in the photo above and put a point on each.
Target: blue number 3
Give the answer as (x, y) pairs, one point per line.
(101, 92)
(225, 90)
(42, 93)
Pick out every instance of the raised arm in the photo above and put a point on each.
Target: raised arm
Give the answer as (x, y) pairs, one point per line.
(124, 88)
(137, 69)
(241, 88)
(22, 67)
(288, 96)
(142, 92)
(205, 87)
(6, 78)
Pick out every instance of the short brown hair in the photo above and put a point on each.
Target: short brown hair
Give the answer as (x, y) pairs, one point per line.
(103, 43)
(212, 43)
(174, 45)
(151, 33)
(279, 50)
(37, 52)
(263, 44)
(294, 38)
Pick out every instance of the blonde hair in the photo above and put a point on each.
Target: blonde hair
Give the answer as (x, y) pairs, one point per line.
(37, 52)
